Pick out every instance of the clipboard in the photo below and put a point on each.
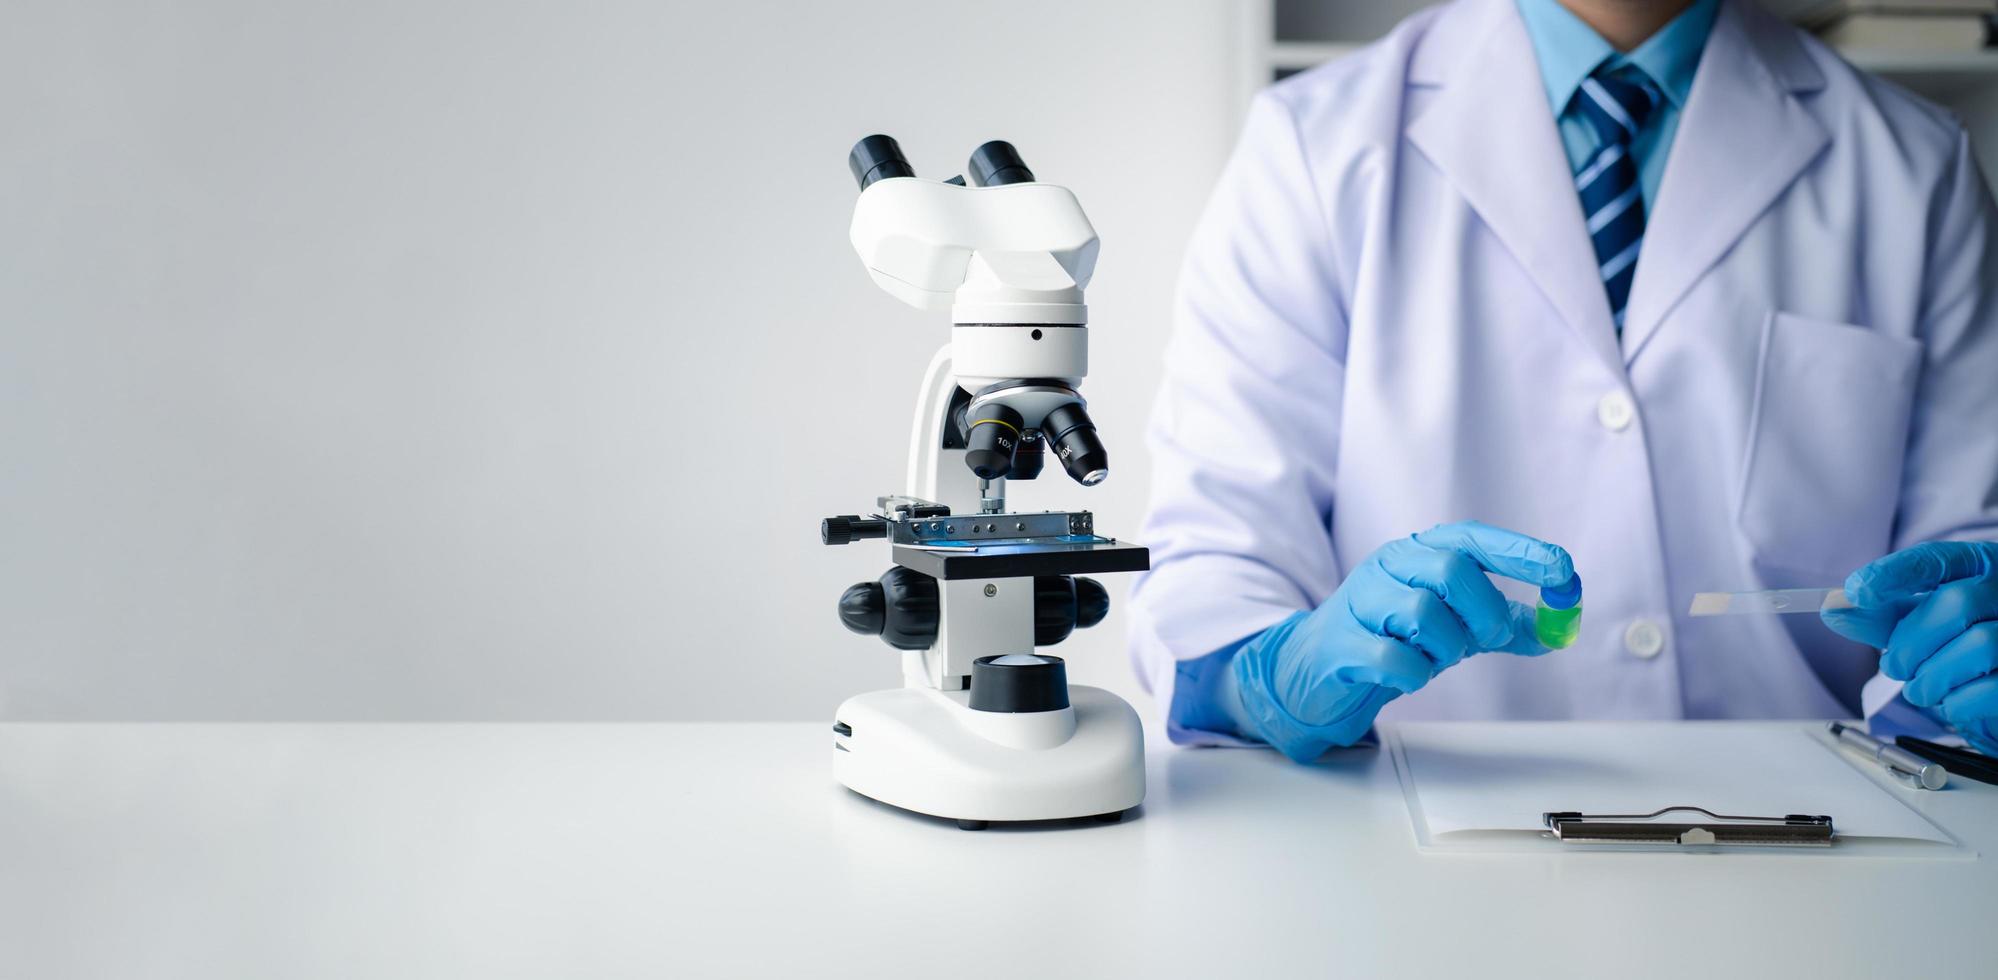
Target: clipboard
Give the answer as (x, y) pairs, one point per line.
(1676, 825)
(1717, 787)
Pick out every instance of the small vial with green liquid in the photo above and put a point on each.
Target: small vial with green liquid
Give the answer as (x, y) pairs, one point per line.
(1558, 616)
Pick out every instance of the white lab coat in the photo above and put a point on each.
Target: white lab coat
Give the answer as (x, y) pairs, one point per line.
(1390, 317)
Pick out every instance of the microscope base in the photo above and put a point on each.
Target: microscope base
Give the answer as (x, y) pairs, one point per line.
(917, 749)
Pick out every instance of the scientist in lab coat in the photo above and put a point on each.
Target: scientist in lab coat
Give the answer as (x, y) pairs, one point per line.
(1663, 293)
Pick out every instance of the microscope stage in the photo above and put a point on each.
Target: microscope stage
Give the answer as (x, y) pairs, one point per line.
(1080, 555)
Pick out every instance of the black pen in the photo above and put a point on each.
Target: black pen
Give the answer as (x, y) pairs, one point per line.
(1962, 762)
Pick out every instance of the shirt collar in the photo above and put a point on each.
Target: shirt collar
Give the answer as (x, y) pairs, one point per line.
(1568, 49)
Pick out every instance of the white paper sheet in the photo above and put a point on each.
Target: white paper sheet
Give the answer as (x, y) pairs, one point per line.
(1480, 777)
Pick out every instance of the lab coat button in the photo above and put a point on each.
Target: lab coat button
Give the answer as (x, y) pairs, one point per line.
(1615, 411)
(1644, 639)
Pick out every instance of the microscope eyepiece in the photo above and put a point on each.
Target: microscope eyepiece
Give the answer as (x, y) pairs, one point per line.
(998, 163)
(877, 157)
(991, 434)
(1076, 444)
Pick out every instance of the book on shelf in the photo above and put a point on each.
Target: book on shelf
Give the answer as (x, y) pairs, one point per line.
(1909, 32)
(1825, 11)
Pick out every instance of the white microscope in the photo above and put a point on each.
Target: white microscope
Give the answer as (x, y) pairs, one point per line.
(984, 728)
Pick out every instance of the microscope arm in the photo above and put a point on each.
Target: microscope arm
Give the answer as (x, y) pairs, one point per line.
(937, 474)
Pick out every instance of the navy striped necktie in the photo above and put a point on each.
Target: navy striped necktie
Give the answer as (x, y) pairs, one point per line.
(1616, 103)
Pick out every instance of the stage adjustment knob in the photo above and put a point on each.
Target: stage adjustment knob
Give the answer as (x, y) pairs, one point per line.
(851, 527)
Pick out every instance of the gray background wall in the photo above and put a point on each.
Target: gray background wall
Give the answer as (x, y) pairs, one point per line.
(497, 360)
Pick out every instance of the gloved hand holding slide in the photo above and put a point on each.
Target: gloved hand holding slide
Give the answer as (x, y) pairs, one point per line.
(1932, 611)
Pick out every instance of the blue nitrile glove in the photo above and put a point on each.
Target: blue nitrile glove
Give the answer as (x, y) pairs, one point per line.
(1944, 643)
(1411, 609)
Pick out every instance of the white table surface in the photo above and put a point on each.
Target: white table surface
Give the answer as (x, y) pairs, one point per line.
(727, 850)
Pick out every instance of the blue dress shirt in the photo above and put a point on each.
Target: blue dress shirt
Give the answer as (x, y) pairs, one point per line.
(1568, 50)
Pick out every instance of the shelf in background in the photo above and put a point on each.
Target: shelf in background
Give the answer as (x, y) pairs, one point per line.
(1949, 77)
(1925, 62)
(1960, 66)
(1299, 55)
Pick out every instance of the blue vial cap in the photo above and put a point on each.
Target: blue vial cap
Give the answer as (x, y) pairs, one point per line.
(1564, 596)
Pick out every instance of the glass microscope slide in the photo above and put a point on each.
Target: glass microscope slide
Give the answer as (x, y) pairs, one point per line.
(1768, 601)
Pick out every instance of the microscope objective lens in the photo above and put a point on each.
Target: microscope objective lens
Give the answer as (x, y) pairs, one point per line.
(992, 435)
(1074, 437)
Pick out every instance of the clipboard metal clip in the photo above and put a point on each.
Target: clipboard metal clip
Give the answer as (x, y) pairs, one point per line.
(1793, 830)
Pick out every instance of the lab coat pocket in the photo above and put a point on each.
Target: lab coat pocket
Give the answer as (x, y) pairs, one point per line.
(1827, 436)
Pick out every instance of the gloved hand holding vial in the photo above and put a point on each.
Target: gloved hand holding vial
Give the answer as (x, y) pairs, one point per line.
(1415, 607)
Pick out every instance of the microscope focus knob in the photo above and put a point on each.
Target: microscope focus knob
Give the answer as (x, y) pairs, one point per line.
(901, 609)
(862, 608)
(1063, 605)
(1092, 602)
